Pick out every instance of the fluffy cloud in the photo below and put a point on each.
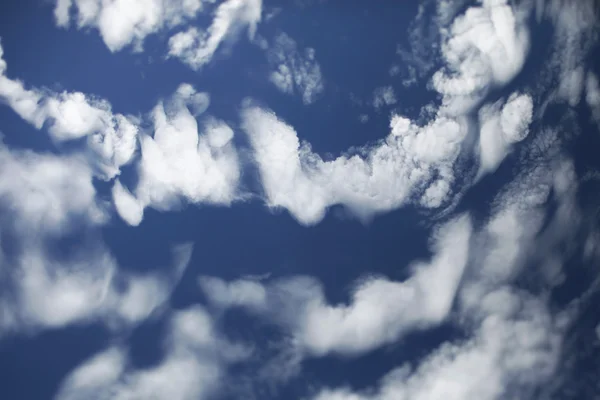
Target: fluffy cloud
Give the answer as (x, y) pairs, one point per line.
(294, 72)
(178, 164)
(487, 45)
(380, 311)
(196, 47)
(502, 127)
(47, 197)
(191, 369)
(507, 356)
(514, 341)
(111, 138)
(413, 162)
(125, 22)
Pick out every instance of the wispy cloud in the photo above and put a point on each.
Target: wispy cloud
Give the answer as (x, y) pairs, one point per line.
(125, 22)
(293, 71)
(380, 311)
(500, 126)
(176, 164)
(196, 47)
(485, 46)
(192, 368)
(384, 96)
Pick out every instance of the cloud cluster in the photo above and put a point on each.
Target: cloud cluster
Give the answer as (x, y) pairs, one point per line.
(177, 164)
(294, 72)
(486, 46)
(196, 47)
(44, 198)
(507, 356)
(514, 341)
(380, 312)
(125, 22)
(111, 138)
(412, 163)
(500, 127)
(192, 367)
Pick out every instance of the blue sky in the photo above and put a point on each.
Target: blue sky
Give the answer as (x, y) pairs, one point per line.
(313, 199)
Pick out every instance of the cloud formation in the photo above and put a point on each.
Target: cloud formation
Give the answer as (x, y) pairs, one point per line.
(294, 72)
(500, 128)
(111, 138)
(486, 46)
(196, 47)
(44, 198)
(514, 340)
(192, 367)
(380, 311)
(177, 164)
(384, 96)
(126, 22)
(414, 163)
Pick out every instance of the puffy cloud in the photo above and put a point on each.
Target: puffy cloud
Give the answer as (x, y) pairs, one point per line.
(380, 312)
(111, 138)
(191, 369)
(507, 356)
(177, 164)
(487, 45)
(513, 342)
(380, 178)
(501, 128)
(47, 197)
(123, 22)
(196, 48)
(294, 72)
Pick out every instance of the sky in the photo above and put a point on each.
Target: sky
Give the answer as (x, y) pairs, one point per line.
(309, 199)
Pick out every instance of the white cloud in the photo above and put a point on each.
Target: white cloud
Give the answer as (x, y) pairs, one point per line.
(380, 311)
(508, 355)
(485, 46)
(125, 22)
(514, 342)
(241, 293)
(384, 96)
(385, 176)
(592, 95)
(45, 197)
(196, 47)
(501, 128)
(46, 193)
(111, 138)
(178, 164)
(294, 72)
(191, 369)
